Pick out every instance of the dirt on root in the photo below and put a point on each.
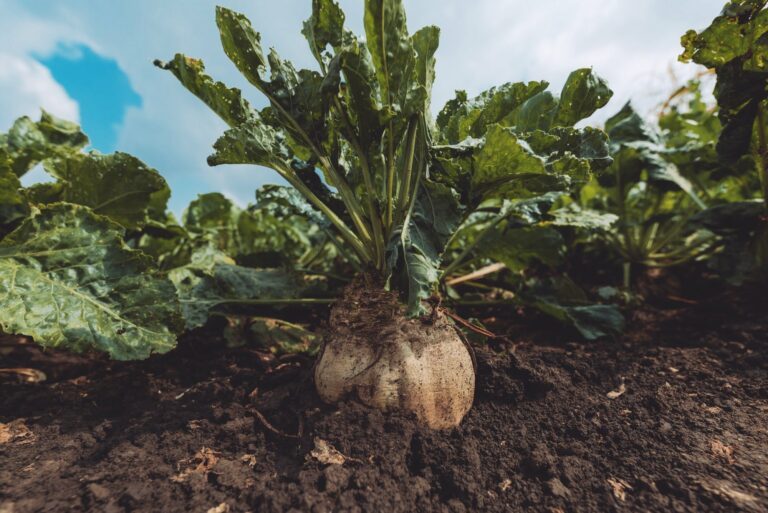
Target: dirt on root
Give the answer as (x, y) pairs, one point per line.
(673, 417)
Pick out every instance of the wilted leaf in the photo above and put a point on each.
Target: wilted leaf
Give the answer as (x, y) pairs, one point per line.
(327, 454)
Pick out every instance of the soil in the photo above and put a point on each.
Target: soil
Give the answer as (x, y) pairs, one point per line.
(673, 417)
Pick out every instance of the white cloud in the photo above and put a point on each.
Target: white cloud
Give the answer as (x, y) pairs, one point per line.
(26, 86)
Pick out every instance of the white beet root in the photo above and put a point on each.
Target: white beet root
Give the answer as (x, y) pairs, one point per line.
(375, 354)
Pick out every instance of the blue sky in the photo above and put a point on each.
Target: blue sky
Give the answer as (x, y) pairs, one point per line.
(98, 85)
(91, 62)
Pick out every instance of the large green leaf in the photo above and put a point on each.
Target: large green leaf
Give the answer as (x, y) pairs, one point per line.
(736, 46)
(68, 280)
(299, 98)
(28, 143)
(462, 117)
(518, 248)
(118, 186)
(391, 49)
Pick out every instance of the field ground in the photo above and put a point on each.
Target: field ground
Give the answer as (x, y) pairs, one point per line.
(673, 417)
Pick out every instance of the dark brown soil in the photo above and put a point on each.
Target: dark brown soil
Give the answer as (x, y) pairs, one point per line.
(673, 417)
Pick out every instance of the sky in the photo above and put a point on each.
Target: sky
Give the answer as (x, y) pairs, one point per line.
(91, 61)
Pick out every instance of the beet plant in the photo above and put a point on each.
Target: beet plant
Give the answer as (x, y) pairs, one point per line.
(735, 46)
(356, 139)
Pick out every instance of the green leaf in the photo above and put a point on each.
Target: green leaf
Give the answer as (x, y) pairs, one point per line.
(518, 248)
(730, 218)
(462, 118)
(736, 46)
(414, 253)
(242, 44)
(212, 283)
(68, 280)
(274, 335)
(28, 143)
(286, 202)
(562, 299)
(227, 102)
(504, 162)
(638, 148)
(363, 95)
(118, 186)
(737, 33)
(251, 143)
(299, 98)
(325, 27)
(583, 93)
(13, 204)
(387, 38)
(584, 218)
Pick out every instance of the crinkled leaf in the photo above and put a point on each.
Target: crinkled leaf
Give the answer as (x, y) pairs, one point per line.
(299, 98)
(28, 143)
(251, 143)
(736, 46)
(227, 102)
(324, 28)
(284, 202)
(68, 280)
(462, 118)
(118, 186)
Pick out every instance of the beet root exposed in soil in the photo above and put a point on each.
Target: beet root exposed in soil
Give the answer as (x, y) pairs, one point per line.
(551, 430)
(375, 354)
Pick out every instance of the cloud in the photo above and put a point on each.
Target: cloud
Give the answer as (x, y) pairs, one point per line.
(26, 86)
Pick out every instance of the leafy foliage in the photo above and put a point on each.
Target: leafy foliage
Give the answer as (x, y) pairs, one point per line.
(397, 187)
(735, 45)
(67, 279)
(649, 194)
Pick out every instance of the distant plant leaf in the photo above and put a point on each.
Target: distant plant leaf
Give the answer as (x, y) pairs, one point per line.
(562, 299)
(274, 335)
